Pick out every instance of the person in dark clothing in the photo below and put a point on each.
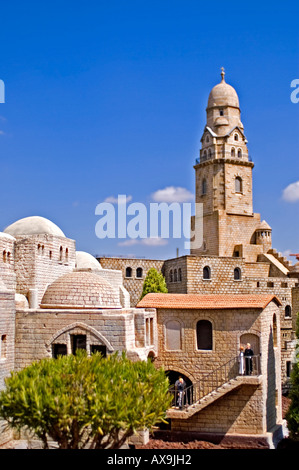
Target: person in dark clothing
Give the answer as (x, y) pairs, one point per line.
(180, 386)
(248, 359)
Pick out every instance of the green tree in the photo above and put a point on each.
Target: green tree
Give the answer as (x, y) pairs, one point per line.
(154, 282)
(292, 415)
(85, 402)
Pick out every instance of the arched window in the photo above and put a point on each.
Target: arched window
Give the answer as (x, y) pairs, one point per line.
(204, 186)
(204, 335)
(179, 274)
(233, 152)
(175, 275)
(204, 155)
(209, 153)
(237, 274)
(236, 137)
(173, 335)
(239, 153)
(288, 311)
(66, 254)
(128, 272)
(238, 185)
(4, 256)
(171, 276)
(139, 272)
(206, 272)
(60, 253)
(207, 139)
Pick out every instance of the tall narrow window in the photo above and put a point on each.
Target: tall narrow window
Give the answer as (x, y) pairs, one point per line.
(238, 185)
(60, 253)
(206, 272)
(288, 311)
(209, 153)
(204, 186)
(204, 335)
(171, 276)
(179, 275)
(173, 335)
(236, 137)
(128, 272)
(175, 275)
(239, 153)
(66, 255)
(274, 331)
(3, 347)
(139, 272)
(221, 112)
(237, 274)
(233, 152)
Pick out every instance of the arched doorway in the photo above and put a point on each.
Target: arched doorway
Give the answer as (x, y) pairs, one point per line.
(254, 340)
(173, 376)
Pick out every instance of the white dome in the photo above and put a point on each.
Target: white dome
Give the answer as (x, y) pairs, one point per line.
(6, 236)
(33, 226)
(86, 261)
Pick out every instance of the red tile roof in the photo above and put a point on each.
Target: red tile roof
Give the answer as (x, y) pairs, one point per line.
(207, 301)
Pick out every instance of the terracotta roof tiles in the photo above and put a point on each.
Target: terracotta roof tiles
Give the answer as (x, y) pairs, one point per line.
(207, 301)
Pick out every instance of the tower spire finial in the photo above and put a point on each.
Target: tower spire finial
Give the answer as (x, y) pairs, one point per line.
(222, 74)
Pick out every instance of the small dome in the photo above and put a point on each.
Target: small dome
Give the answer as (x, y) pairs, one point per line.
(80, 289)
(223, 94)
(86, 261)
(6, 236)
(34, 225)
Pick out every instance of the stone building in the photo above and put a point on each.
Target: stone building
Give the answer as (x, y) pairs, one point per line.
(236, 254)
(54, 300)
(234, 289)
(199, 338)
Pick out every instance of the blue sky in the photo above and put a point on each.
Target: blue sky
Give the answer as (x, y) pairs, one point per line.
(108, 98)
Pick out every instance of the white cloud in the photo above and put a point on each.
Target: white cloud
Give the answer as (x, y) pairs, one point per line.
(154, 241)
(291, 192)
(114, 200)
(172, 194)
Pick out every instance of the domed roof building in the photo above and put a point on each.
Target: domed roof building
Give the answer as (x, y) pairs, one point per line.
(85, 260)
(223, 94)
(80, 290)
(34, 225)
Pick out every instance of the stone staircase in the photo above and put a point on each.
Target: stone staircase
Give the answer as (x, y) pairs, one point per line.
(190, 410)
(213, 386)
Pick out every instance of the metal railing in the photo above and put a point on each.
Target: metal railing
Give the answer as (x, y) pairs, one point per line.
(212, 381)
(203, 158)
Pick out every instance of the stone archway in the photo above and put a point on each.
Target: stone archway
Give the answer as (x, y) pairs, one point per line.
(253, 339)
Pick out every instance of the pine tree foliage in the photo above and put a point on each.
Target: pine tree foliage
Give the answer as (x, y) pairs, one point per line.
(154, 282)
(85, 402)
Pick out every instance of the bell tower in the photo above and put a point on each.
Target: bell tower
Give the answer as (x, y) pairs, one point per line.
(223, 177)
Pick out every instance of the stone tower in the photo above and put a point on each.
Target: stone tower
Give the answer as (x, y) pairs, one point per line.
(223, 175)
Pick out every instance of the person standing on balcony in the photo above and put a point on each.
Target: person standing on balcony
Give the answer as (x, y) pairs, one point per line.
(248, 359)
(241, 361)
(180, 386)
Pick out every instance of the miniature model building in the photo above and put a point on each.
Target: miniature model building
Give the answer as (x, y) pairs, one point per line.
(232, 291)
(236, 254)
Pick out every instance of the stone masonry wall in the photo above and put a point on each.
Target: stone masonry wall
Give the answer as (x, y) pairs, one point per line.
(133, 284)
(37, 330)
